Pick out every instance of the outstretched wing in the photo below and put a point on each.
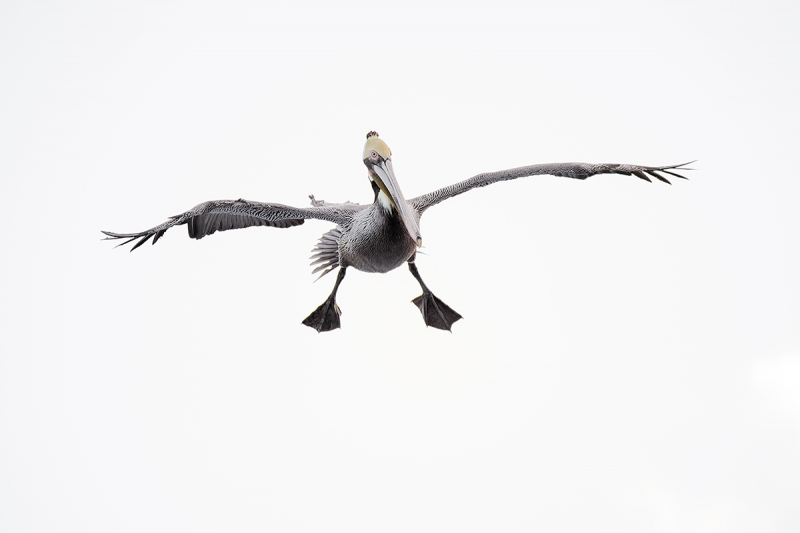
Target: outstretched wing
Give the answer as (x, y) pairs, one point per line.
(579, 171)
(222, 215)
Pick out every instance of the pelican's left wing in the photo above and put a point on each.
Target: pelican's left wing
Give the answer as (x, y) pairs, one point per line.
(222, 215)
(579, 171)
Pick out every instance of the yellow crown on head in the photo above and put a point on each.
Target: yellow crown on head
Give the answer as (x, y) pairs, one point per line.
(376, 143)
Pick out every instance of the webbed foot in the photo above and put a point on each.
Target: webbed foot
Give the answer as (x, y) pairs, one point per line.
(325, 317)
(435, 312)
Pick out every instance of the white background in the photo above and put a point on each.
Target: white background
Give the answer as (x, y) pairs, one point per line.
(630, 354)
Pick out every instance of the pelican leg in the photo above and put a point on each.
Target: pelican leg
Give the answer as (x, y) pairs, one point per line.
(326, 316)
(435, 312)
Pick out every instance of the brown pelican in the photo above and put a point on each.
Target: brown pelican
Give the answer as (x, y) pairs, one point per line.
(378, 237)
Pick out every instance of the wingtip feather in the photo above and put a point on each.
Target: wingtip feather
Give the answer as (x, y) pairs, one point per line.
(142, 241)
(659, 177)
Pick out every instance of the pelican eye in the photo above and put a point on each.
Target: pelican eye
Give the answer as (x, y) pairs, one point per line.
(374, 154)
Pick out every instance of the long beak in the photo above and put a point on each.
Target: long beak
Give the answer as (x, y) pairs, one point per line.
(388, 184)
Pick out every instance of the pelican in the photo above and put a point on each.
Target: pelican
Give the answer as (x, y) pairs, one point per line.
(378, 237)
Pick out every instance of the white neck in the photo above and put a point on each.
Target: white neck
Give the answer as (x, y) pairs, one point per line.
(385, 202)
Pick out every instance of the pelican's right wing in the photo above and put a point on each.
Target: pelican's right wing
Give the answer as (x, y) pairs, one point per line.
(579, 171)
(222, 215)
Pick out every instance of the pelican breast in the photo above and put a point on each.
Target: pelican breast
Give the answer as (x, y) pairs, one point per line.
(377, 241)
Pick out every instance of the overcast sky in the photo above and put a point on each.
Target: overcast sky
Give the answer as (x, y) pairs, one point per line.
(629, 358)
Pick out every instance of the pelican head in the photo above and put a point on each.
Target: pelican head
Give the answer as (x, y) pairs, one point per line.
(378, 159)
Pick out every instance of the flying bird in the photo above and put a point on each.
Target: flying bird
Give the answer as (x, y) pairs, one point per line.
(378, 237)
